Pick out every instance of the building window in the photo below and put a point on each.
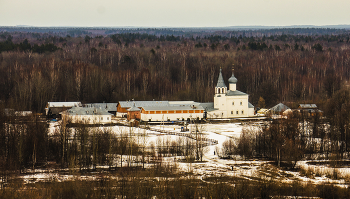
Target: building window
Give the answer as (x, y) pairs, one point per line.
(231, 112)
(101, 118)
(241, 103)
(108, 117)
(233, 103)
(242, 112)
(237, 112)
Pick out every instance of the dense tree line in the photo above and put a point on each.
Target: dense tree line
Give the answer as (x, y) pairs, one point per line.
(8, 45)
(145, 67)
(24, 142)
(245, 31)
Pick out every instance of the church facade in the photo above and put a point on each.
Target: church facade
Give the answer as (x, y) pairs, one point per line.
(230, 103)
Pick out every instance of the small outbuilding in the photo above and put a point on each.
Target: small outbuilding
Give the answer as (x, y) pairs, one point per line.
(53, 109)
(309, 109)
(279, 109)
(134, 113)
(87, 115)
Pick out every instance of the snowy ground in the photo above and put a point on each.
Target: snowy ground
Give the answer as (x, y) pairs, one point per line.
(211, 164)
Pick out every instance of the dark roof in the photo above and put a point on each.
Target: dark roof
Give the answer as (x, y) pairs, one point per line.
(234, 93)
(232, 79)
(57, 107)
(133, 108)
(57, 110)
(107, 106)
(209, 106)
(172, 108)
(129, 104)
(86, 111)
(221, 82)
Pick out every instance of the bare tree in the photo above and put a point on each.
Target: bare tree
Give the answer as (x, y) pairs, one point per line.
(229, 147)
(245, 146)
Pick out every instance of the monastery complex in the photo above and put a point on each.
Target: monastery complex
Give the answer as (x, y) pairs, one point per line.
(228, 103)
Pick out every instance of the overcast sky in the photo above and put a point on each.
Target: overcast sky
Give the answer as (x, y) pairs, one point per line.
(173, 13)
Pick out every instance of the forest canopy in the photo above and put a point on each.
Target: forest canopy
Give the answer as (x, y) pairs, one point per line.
(279, 65)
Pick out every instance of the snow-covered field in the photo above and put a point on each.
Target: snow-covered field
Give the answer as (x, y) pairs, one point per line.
(212, 165)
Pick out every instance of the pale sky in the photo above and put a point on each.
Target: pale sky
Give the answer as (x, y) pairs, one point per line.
(173, 13)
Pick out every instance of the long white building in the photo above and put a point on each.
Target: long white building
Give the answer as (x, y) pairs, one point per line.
(87, 115)
(172, 112)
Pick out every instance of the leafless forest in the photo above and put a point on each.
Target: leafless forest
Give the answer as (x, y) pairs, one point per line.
(41, 67)
(279, 65)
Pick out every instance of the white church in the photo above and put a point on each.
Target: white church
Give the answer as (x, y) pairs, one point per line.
(230, 103)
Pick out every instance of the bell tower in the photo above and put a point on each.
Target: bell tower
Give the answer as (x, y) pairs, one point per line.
(220, 88)
(220, 93)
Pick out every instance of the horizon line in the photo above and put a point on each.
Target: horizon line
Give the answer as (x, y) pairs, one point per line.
(185, 27)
